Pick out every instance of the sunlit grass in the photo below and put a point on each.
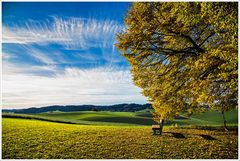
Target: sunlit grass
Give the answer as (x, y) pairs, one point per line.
(27, 139)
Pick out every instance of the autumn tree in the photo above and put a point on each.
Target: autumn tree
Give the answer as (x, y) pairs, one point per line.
(183, 55)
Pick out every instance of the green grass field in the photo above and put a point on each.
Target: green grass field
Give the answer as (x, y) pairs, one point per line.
(122, 135)
(102, 117)
(209, 118)
(35, 139)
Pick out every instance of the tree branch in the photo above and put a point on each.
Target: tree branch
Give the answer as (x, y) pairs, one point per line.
(213, 33)
(197, 47)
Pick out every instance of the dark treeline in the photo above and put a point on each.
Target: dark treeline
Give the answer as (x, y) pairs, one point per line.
(69, 108)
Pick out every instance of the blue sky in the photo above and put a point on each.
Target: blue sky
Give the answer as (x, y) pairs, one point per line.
(64, 53)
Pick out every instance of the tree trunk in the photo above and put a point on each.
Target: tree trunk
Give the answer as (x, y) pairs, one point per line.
(161, 126)
(224, 122)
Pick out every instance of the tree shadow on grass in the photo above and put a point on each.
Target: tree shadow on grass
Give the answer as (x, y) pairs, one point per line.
(177, 135)
(207, 137)
(181, 136)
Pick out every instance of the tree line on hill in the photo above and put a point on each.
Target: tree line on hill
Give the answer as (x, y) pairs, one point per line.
(70, 108)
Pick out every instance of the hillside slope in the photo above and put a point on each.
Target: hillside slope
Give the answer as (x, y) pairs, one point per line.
(209, 118)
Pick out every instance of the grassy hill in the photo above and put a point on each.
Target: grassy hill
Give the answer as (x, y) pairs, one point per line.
(209, 118)
(35, 139)
(101, 118)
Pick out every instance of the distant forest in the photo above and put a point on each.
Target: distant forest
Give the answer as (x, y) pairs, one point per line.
(69, 108)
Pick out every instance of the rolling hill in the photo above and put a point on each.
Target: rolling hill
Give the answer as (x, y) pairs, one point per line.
(209, 118)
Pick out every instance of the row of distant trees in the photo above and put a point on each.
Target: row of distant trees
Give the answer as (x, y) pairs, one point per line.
(183, 55)
(70, 108)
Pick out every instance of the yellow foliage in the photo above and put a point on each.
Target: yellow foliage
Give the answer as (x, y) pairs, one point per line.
(183, 55)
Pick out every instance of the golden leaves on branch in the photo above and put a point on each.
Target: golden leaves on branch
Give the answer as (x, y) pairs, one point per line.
(183, 55)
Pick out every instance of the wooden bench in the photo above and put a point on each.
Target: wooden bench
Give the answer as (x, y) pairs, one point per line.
(157, 129)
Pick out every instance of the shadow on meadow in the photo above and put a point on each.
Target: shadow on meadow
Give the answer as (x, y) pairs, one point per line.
(178, 135)
(207, 137)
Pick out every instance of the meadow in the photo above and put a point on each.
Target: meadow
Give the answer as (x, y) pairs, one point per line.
(106, 135)
(140, 118)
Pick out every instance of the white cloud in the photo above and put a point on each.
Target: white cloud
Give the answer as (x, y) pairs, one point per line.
(71, 33)
(9, 69)
(73, 86)
(26, 85)
(39, 55)
(7, 56)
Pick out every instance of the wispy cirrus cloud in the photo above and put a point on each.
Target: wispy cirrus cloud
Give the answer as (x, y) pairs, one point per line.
(39, 55)
(62, 61)
(71, 33)
(72, 86)
(69, 58)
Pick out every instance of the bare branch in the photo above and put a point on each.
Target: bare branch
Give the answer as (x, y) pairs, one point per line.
(213, 33)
